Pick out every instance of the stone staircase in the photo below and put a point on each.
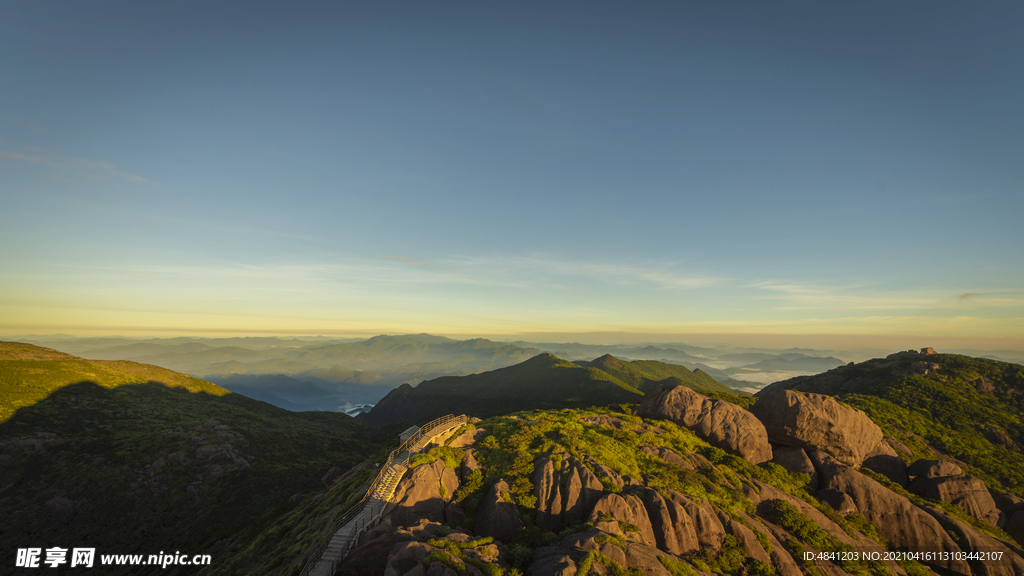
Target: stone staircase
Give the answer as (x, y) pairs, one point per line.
(369, 510)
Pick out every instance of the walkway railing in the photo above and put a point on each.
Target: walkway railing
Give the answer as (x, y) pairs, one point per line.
(369, 509)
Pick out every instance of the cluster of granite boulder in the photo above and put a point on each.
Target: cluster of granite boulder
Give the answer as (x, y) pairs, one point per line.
(636, 526)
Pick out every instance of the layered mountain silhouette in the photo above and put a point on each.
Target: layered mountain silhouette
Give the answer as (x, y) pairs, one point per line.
(544, 381)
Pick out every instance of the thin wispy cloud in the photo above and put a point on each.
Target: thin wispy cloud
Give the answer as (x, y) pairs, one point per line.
(404, 260)
(96, 172)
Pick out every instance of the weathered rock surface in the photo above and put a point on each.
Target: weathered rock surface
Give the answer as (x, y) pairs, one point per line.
(794, 459)
(745, 538)
(625, 508)
(817, 422)
(884, 460)
(373, 550)
(965, 492)
(498, 516)
(896, 518)
(468, 438)
(722, 424)
(707, 526)
(564, 495)
(933, 469)
(1011, 563)
(672, 525)
(552, 561)
(424, 493)
(839, 501)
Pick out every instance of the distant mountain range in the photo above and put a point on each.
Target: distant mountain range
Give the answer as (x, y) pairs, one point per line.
(353, 374)
(544, 381)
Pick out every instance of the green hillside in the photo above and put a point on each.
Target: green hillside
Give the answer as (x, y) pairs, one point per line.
(646, 374)
(130, 458)
(544, 381)
(969, 408)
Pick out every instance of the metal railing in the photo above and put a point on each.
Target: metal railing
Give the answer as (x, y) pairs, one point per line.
(377, 495)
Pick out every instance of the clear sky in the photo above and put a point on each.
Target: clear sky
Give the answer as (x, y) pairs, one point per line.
(462, 168)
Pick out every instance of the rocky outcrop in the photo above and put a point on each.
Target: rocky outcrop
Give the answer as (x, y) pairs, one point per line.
(795, 460)
(552, 561)
(1010, 564)
(933, 469)
(722, 424)
(624, 515)
(965, 492)
(628, 555)
(745, 538)
(817, 422)
(672, 526)
(565, 493)
(884, 460)
(498, 515)
(708, 528)
(425, 493)
(896, 518)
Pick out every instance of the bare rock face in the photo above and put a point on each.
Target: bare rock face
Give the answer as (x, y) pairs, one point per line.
(795, 460)
(565, 494)
(707, 526)
(839, 501)
(673, 528)
(468, 438)
(498, 517)
(817, 422)
(424, 493)
(896, 518)
(965, 492)
(883, 459)
(1011, 563)
(933, 469)
(627, 509)
(1015, 526)
(635, 556)
(552, 561)
(722, 424)
(745, 538)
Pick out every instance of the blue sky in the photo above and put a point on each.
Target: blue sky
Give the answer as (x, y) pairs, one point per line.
(482, 168)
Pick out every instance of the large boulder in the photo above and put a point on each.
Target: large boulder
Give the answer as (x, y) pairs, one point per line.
(552, 561)
(795, 460)
(625, 515)
(884, 460)
(707, 526)
(965, 492)
(722, 424)
(424, 493)
(933, 469)
(1011, 563)
(498, 517)
(817, 422)
(895, 517)
(673, 528)
(565, 492)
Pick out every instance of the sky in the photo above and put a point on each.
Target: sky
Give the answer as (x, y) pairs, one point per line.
(646, 169)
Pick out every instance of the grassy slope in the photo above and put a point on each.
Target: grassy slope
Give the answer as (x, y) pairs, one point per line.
(114, 420)
(944, 411)
(544, 381)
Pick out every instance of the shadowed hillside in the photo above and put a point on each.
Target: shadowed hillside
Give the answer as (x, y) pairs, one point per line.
(130, 458)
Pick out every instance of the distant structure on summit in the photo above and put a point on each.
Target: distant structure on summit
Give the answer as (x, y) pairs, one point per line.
(927, 351)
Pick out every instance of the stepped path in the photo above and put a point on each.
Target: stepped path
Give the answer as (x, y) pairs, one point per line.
(369, 510)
